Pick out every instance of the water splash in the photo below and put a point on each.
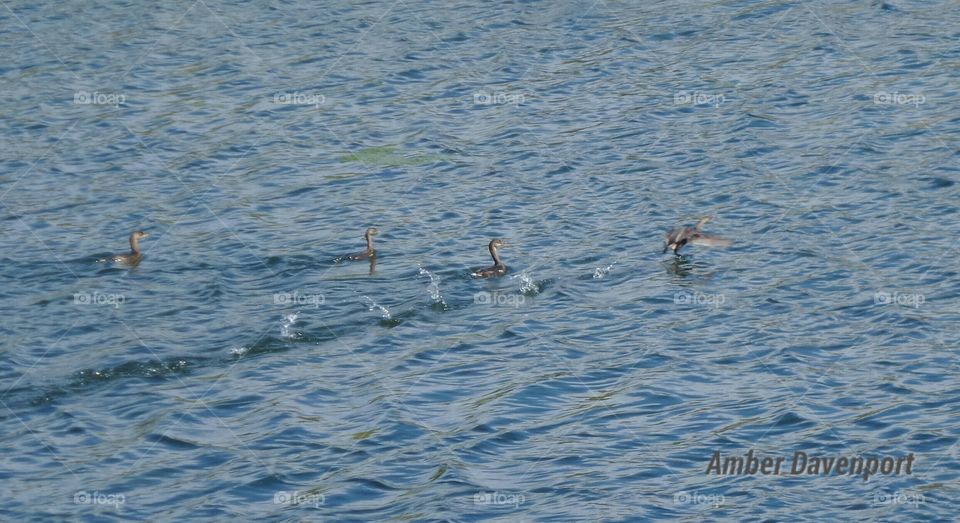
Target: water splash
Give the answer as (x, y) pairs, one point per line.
(600, 272)
(527, 284)
(434, 287)
(372, 305)
(239, 351)
(288, 321)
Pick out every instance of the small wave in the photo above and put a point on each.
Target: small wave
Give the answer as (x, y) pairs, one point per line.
(149, 369)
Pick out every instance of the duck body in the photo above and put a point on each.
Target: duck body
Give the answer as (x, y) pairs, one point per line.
(127, 258)
(498, 268)
(363, 255)
(494, 271)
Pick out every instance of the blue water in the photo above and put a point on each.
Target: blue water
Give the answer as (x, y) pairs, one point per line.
(594, 382)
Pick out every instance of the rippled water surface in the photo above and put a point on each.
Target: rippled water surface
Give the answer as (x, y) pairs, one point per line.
(239, 373)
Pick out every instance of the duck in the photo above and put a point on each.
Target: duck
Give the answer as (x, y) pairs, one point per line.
(498, 269)
(680, 236)
(370, 252)
(132, 257)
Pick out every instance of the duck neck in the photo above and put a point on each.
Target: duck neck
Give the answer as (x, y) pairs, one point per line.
(496, 257)
(369, 242)
(134, 245)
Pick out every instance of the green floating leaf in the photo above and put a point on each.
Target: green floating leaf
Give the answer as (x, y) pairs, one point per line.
(386, 156)
(364, 435)
(440, 471)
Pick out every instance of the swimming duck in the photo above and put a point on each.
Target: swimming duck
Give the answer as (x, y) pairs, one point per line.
(134, 255)
(498, 268)
(680, 236)
(370, 252)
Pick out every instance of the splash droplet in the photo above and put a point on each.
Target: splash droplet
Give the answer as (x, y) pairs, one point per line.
(433, 287)
(600, 272)
(372, 306)
(288, 321)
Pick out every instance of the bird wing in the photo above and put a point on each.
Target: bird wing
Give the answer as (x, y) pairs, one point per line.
(710, 241)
